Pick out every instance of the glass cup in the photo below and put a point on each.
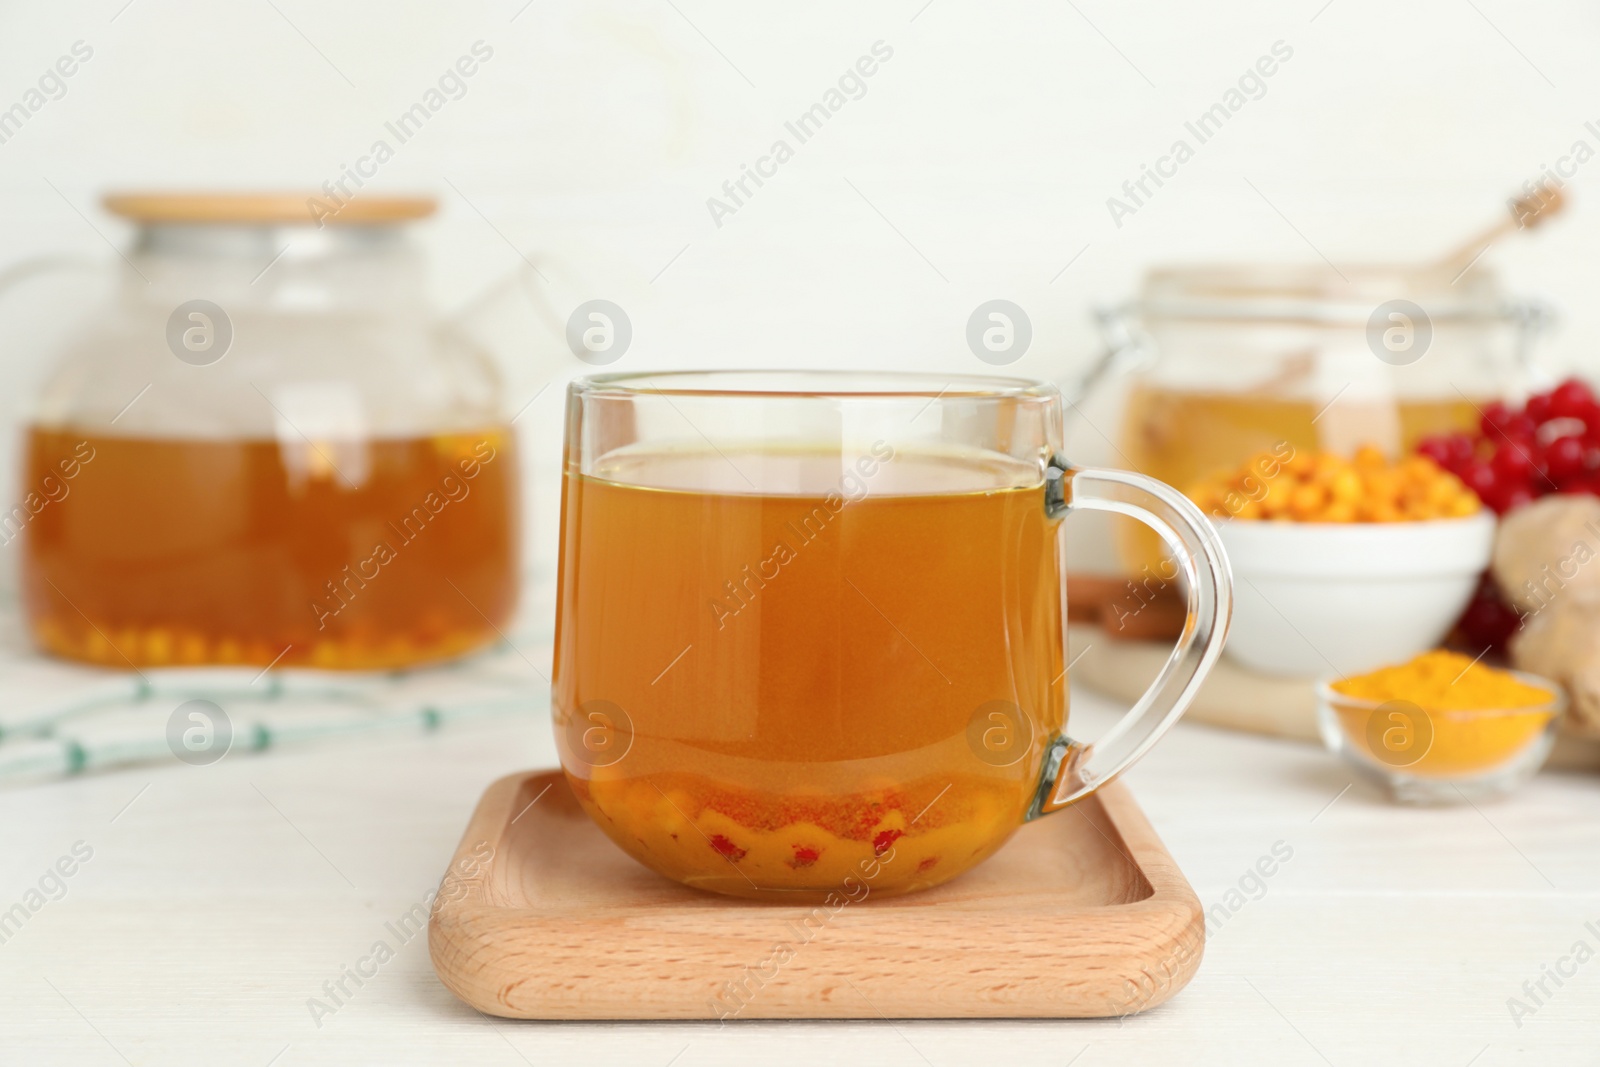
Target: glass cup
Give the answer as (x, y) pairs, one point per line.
(810, 630)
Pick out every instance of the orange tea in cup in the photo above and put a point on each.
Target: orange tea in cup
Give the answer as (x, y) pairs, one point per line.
(799, 668)
(791, 660)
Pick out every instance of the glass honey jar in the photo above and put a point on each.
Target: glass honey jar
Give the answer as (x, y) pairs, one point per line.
(265, 451)
(1224, 362)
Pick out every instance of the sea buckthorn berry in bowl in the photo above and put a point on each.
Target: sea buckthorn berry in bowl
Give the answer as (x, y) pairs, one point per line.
(1344, 564)
(1330, 488)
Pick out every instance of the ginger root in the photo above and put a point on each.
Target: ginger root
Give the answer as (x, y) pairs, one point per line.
(1542, 551)
(1562, 643)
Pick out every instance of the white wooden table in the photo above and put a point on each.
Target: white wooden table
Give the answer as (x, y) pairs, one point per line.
(218, 900)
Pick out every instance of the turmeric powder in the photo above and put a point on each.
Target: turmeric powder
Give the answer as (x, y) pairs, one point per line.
(1445, 681)
(1479, 717)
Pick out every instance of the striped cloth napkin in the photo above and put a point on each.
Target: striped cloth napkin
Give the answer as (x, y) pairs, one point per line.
(59, 718)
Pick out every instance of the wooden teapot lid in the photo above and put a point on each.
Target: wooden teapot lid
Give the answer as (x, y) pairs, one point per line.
(267, 208)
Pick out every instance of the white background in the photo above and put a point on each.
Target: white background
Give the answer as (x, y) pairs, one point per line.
(977, 165)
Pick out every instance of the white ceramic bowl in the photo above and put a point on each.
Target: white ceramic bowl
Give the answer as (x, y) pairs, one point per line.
(1348, 597)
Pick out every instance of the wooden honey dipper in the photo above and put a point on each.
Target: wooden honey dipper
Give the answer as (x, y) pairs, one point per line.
(1525, 213)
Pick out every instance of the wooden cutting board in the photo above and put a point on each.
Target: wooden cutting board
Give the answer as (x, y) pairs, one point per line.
(1082, 914)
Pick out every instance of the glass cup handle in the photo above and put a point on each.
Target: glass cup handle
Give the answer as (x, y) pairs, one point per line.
(1075, 769)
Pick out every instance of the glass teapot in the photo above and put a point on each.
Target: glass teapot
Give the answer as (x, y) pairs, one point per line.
(1224, 362)
(264, 451)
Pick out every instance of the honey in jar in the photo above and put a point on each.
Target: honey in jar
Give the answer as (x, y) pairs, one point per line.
(1237, 360)
(1181, 437)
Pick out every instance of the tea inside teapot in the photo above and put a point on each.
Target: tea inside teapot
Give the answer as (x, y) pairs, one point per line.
(264, 452)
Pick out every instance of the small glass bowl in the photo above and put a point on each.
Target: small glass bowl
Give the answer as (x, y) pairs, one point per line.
(1441, 757)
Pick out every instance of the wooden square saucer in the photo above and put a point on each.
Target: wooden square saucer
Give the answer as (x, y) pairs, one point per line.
(1082, 914)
